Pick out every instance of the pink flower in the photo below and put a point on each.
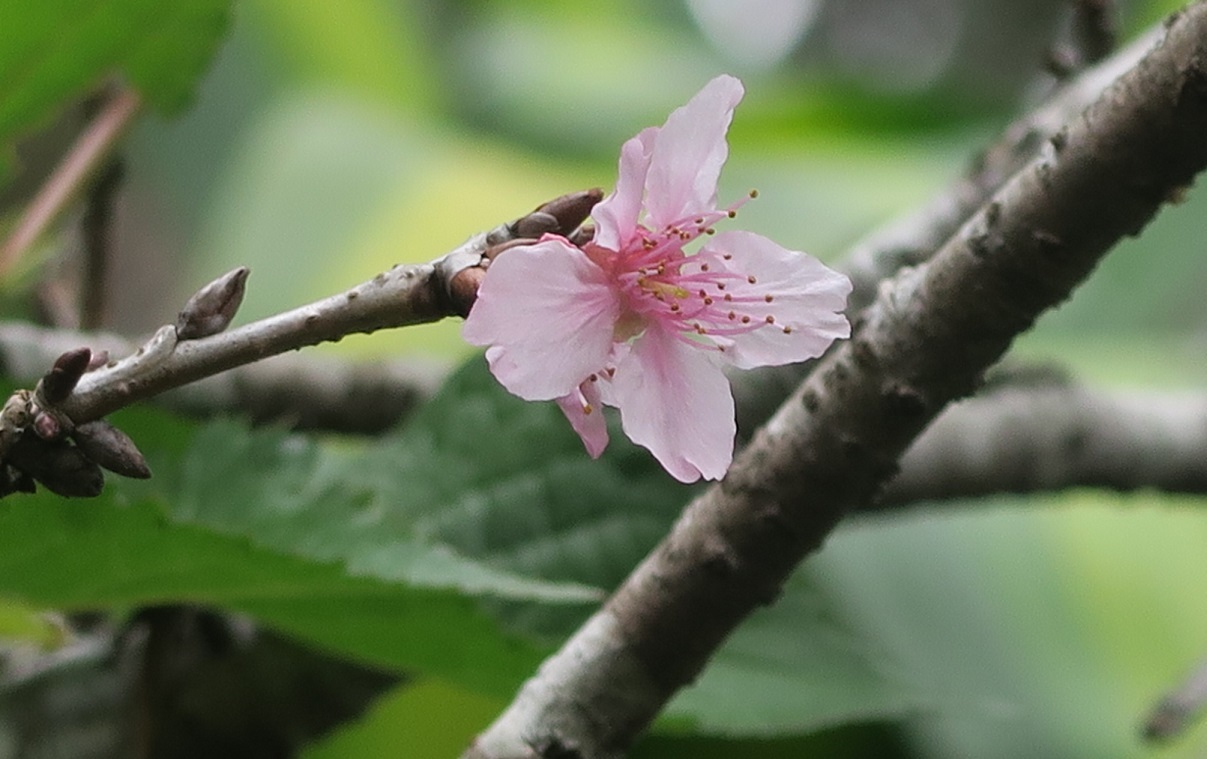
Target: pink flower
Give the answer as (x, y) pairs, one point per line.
(632, 320)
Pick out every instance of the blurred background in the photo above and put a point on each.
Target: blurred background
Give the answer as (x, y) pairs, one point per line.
(329, 141)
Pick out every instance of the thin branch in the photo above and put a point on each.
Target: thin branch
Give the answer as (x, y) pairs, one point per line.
(82, 160)
(1178, 709)
(96, 228)
(305, 391)
(834, 444)
(196, 347)
(1029, 439)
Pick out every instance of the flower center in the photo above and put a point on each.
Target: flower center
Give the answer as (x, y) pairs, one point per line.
(704, 298)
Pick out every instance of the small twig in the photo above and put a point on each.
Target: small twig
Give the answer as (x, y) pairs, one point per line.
(405, 295)
(82, 160)
(1179, 708)
(1095, 29)
(96, 229)
(306, 391)
(1030, 439)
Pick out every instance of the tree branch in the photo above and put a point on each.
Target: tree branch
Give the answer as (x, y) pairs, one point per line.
(914, 238)
(403, 296)
(86, 155)
(834, 444)
(306, 391)
(1021, 440)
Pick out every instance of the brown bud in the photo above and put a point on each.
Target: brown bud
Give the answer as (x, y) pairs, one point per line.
(111, 448)
(15, 481)
(58, 383)
(212, 308)
(493, 251)
(571, 209)
(535, 224)
(463, 288)
(61, 467)
(583, 235)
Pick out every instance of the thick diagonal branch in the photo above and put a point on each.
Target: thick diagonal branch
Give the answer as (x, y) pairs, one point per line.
(833, 445)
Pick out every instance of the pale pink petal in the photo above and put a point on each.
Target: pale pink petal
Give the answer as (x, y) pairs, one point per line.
(585, 411)
(689, 152)
(807, 297)
(547, 312)
(675, 401)
(616, 216)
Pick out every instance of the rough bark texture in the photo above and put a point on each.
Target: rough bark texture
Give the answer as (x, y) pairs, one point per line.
(834, 444)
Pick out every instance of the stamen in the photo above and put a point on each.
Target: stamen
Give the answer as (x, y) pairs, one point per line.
(768, 298)
(727, 256)
(731, 213)
(745, 319)
(708, 301)
(770, 319)
(732, 315)
(754, 194)
(587, 408)
(728, 297)
(787, 330)
(593, 378)
(751, 279)
(703, 267)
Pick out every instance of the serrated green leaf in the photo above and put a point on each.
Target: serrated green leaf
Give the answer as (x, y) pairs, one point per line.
(56, 49)
(98, 553)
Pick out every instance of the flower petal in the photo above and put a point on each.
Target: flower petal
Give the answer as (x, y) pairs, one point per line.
(675, 400)
(584, 410)
(689, 152)
(796, 290)
(616, 216)
(547, 311)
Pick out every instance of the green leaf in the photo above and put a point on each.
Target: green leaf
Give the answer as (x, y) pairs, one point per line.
(395, 552)
(508, 482)
(100, 553)
(427, 719)
(54, 50)
(21, 623)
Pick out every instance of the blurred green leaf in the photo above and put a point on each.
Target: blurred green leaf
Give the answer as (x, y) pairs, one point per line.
(23, 624)
(509, 483)
(1044, 626)
(428, 719)
(55, 49)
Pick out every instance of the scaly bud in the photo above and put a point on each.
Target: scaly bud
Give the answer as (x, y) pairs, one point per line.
(61, 467)
(111, 448)
(213, 307)
(535, 224)
(58, 383)
(571, 209)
